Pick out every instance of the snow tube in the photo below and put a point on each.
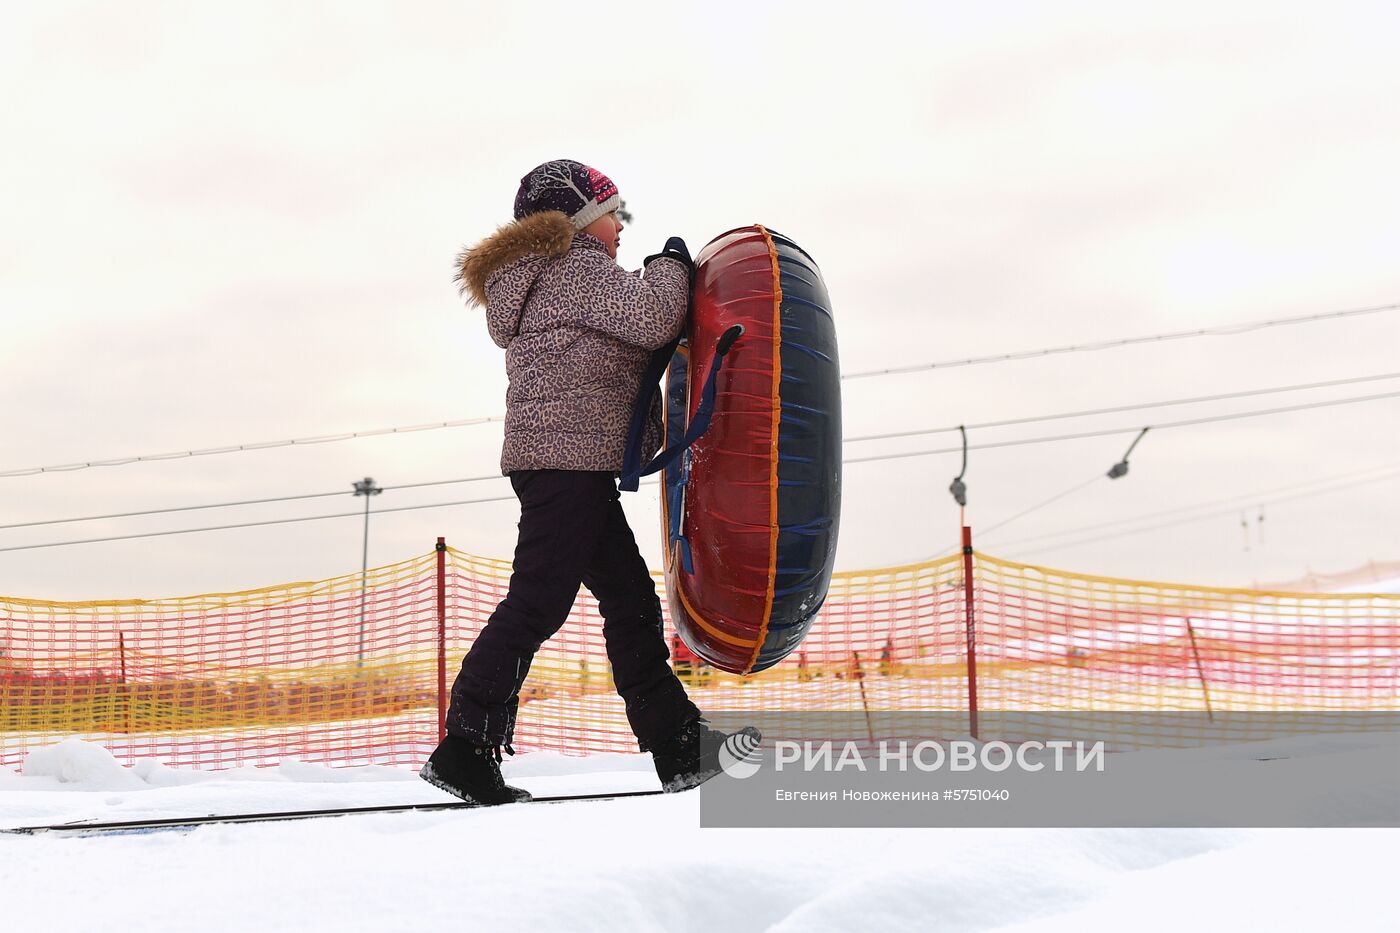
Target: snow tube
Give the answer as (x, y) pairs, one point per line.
(750, 510)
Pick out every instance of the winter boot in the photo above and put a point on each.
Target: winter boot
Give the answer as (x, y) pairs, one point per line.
(471, 771)
(692, 756)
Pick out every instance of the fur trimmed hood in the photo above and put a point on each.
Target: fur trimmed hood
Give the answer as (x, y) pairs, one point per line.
(578, 331)
(548, 234)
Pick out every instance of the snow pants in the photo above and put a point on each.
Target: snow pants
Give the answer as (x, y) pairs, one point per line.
(572, 531)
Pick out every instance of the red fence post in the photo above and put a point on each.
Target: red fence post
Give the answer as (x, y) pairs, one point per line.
(442, 637)
(860, 679)
(126, 694)
(971, 631)
(1200, 669)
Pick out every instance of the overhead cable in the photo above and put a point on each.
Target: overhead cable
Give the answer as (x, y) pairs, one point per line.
(848, 460)
(1223, 330)
(225, 505)
(1086, 413)
(239, 448)
(1196, 518)
(1227, 330)
(1132, 430)
(278, 521)
(1234, 502)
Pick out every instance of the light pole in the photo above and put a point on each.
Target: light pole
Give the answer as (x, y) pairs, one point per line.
(366, 488)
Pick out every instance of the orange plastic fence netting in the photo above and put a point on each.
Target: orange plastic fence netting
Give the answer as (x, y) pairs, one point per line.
(348, 670)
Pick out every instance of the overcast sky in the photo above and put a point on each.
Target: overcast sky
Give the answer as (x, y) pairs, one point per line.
(235, 223)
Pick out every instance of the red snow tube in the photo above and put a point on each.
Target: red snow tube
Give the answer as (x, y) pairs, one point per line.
(750, 512)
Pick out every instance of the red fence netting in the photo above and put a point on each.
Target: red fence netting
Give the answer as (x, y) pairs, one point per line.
(348, 670)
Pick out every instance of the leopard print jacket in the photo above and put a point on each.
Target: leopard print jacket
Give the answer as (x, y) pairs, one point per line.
(578, 331)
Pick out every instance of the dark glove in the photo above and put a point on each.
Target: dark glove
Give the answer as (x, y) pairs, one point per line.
(675, 248)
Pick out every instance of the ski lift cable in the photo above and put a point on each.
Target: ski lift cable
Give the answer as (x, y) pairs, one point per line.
(1223, 330)
(181, 508)
(1109, 432)
(380, 432)
(239, 502)
(848, 460)
(1231, 501)
(278, 521)
(1194, 518)
(1226, 330)
(1010, 422)
(1040, 505)
(240, 448)
(507, 498)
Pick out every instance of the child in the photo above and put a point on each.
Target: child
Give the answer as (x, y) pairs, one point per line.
(578, 332)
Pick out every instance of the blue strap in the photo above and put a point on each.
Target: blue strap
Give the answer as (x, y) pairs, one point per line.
(641, 408)
(676, 486)
(632, 471)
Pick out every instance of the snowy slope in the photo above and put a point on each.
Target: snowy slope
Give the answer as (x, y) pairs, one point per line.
(1383, 586)
(643, 864)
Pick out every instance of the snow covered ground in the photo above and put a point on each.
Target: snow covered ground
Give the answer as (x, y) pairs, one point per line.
(643, 864)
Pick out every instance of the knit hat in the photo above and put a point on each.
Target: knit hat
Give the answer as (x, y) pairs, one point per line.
(584, 193)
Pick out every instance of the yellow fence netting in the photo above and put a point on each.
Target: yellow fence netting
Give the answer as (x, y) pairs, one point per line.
(353, 669)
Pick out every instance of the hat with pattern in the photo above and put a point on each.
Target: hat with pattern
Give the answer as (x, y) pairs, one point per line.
(584, 193)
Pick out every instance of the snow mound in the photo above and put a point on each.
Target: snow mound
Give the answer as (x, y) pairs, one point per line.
(84, 764)
(80, 765)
